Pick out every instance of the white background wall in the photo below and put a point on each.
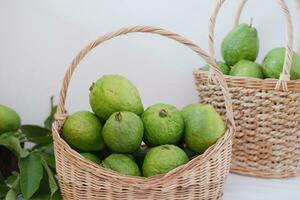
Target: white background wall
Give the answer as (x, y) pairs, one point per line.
(39, 38)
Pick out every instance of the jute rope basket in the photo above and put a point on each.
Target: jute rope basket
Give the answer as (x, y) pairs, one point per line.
(266, 113)
(201, 178)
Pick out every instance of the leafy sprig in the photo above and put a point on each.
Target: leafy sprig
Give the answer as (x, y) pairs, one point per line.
(36, 179)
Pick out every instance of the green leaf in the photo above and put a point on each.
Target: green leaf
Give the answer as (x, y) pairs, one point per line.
(17, 134)
(16, 184)
(11, 142)
(22, 137)
(45, 196)
(24, 153)
(11, 179)
(50, 119)
(41, 196)
(1, 178)
(49, 158)
(3, 190)
(14, 190)
(48, 122)
(37, 134)
(49, 149)
(31, 172)
(11, 195)
(43, 190)
(57, 196)
(52, 183)
(47, 153)
(36, 146)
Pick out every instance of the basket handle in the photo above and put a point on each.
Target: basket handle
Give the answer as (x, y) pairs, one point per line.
(298, 5)
(285, 74)
(239, 12)
(60, 115)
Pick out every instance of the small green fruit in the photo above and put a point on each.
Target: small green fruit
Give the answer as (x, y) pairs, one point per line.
(123, 132)
(9, 120)
(203, 126)
(91, 157)
(241, 43)
(246, 68)
(274, 61)
(162, 159)
(122, 164)
(163, 125)
(113, 93)
(83, 131)
(223, 67)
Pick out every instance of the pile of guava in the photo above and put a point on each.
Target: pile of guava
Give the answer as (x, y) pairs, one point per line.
(120, 135)
(240, 49)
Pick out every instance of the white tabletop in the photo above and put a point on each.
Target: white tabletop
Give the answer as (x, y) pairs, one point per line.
(249, 188)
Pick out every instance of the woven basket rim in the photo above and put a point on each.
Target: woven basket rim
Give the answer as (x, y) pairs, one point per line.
(249, 82)
(210, 152)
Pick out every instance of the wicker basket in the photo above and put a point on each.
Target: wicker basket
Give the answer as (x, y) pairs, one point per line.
(266, 113)
(201, 178)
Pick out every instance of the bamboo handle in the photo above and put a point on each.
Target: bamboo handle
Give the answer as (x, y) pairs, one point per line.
(239, 12)
(60, 115)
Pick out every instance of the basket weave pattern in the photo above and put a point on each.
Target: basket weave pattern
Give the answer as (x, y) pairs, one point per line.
(201, 178)
(267, 138)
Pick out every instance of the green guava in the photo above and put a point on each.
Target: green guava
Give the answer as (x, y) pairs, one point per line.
(246, 68)
(113, 93)
(122, 164)
(162, 159)
(163, 125)
(9, 120)
(123, 132)
(91, 157)
(83, 131)
(223, 67)
(203, 126)
(274, 61)
(241, 43)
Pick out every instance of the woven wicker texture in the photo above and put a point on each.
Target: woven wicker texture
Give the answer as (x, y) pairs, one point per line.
(201, 178)
(266, 112)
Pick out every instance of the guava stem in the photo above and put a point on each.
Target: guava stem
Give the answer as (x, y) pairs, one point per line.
(118, 116)
(92, 86)
(166, 147)
(251, 22)
(163, 113)
(52, 101)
